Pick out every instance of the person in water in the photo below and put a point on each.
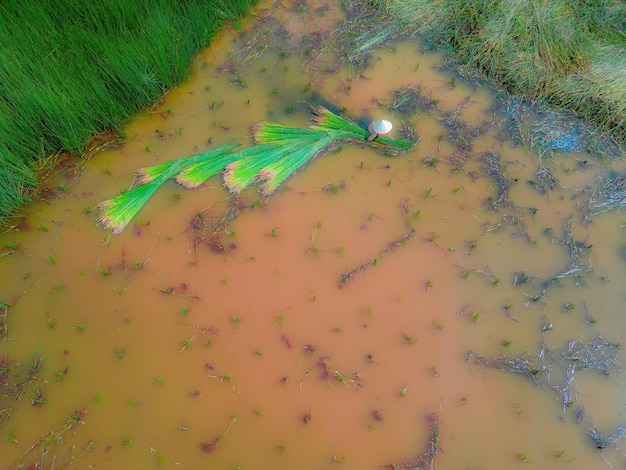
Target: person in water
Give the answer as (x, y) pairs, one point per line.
(382, 127)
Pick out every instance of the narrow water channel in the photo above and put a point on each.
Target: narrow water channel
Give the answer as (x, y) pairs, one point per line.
(454, 307)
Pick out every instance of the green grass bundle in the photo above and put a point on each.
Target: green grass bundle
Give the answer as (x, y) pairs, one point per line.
(327, 129)
(279, 152)
(183, 164)
(116, 213)
(274, 174)
(265, 132)
(241, 173)
(326, 120)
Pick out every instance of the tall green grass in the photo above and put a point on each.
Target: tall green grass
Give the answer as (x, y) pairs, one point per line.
(69, 69)
(571, 53)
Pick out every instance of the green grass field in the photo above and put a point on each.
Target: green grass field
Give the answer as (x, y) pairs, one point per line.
(71, 69)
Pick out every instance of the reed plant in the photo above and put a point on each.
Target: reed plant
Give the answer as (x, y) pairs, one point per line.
(571, 53)
(70, 69)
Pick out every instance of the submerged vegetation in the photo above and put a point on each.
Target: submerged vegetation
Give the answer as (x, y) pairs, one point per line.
(70, 71)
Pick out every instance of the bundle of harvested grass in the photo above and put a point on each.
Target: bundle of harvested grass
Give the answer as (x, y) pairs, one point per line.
(326, 120)
(116, 213)
(279, 152)
(205, 165)
(274, 174)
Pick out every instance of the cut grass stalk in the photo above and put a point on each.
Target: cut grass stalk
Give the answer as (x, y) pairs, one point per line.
(210, 447)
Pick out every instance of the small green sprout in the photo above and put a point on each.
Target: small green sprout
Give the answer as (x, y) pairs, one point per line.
(409, 339)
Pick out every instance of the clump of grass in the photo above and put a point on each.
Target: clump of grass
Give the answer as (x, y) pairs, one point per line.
(598, 93)
(410, 100)
(4, 325)
(568, 52)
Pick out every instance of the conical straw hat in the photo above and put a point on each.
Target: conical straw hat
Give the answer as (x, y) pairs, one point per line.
(382, 127)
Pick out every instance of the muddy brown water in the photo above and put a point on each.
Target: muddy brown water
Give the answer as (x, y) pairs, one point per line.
(448, 344)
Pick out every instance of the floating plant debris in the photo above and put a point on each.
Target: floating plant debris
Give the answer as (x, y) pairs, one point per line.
(391, 246)
(427, 459)
(606, 196)
(555, 369)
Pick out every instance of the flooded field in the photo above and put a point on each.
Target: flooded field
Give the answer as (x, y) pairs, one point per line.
(459, 306)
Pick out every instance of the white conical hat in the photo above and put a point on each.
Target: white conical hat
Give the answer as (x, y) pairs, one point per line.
(382, 126)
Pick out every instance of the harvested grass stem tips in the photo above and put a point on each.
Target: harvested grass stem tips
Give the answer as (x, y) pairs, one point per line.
(278, 153)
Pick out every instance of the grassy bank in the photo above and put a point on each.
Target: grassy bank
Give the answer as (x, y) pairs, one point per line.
(571, 53)
(70, 69)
